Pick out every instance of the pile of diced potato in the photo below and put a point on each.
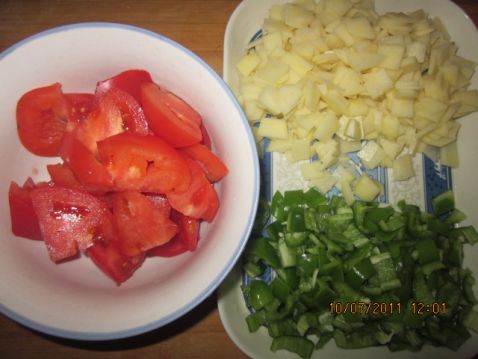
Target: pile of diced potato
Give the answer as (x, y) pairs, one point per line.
(334, 77)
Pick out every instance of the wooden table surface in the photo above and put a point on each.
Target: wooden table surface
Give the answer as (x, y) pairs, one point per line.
(198, 25)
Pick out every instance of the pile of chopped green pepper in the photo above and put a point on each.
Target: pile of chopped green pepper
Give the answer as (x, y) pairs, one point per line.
(364, 275)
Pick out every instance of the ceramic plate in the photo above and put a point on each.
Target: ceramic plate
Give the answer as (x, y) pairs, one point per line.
(430, 180)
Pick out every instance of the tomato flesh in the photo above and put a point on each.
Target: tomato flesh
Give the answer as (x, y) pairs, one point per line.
(23, 217)
(129, 81)
(141, 226)
(42, 117)
(169, 117)
(212, 165)
(144, 163)
(80, 106)
(185, 240)
(85, 166)
(200, 200)
(68, 219)
(107, 256)
(61, 175)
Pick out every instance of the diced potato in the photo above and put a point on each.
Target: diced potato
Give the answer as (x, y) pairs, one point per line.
(272, 71)
(349, 146)
(344, 174)
(418, 50)
(358, 107)
(272, 41)
(371, 155)
(390, 126)
(377, 82)
(401, 107)
(300, 149)
(348, 80)
(449, 155)
(366, 188)
(468, 100)
(279, 145)
(325, 182)
(403, 168)
(311, 95)
(393, 56)
(391, 149)
(327, 125)
(336, 101)
(311, 170)
(297, 63)
(360, 27)
(297, 16)
(273, 128)
(347, 193)
(331, 10)
(248, 63)
(253, 112)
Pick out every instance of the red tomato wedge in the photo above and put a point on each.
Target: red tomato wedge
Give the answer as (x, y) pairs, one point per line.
(141, 226)
(185, 240)
(161, 203)
(68, 219)
(117, 111)
(80, 105)
(83, 163)
(212, 165)
(42, 117)
(169, 117)
(206, 139)
(61, 175)
(107, 256)
(129, 81)
(23, 217)
(200, 200)
(144, 163)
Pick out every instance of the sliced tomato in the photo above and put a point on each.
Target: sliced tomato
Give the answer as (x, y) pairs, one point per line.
(23, 217)
(206, 139)
(141, 226)
(86, 167)
(161, 203)
(169, 117)
(212, 165)
(117, 112)
(68, 219)
(61, 175)
(42, 117)
(144, 163)
(107, 256)
(200, 200)
(129, 81)
(185, 240)
(80, 105)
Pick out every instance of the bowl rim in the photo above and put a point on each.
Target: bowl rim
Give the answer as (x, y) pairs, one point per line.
(124, 333)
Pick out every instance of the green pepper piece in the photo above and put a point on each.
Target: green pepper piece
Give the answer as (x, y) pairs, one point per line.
(314, 198)
(260, 249)
(278, 207)
(260, 294)
(443, 203)
(427, 251)
(295, 220)
(295, 198)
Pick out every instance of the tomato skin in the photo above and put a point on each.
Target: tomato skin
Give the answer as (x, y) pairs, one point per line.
(185, 240)
(161, 203)
(200, 200)
(24, 220)
(140, 225)
(42, 117)
(107, 256)
(144, 163)
(61, 175)
(212, 165)
(85, 166)
(80, 105)
(169, 117)
(129, 81)
(206, 139)
(68, 219)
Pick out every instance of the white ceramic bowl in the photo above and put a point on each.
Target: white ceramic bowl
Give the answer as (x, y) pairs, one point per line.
(75, 299)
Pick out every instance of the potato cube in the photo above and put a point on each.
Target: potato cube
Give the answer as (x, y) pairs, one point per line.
(273, 128)
(366, 188)
(377, 82)
(403, 168)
